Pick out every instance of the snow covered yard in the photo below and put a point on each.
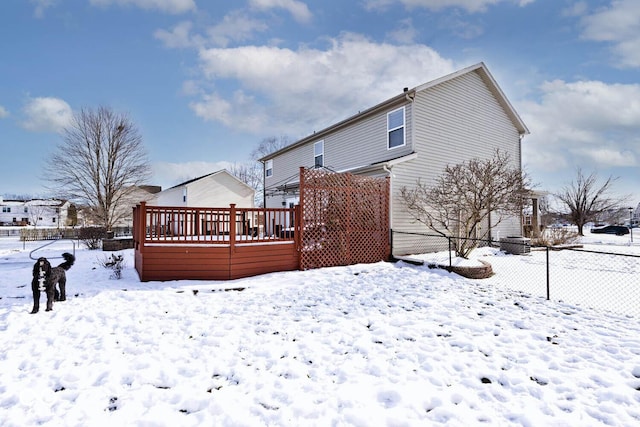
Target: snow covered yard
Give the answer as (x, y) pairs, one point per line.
(365, 345)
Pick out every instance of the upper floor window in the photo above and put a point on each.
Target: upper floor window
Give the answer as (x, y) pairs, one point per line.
(395, 128)
(318, 154)
(268, 168)
(6, 209)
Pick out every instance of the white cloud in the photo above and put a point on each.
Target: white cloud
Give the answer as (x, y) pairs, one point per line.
(46, 115)
(237, 27)
(41, 6)
(471, 6)
(297, 9)
(588, 123)
(178, 37)
(618, 24)
(3, 112)
(168, 6)
(234, 27)
(578, 8)
(353, 73)
(405, 34)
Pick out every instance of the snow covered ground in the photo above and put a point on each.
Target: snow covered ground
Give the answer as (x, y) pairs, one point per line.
(366, 345)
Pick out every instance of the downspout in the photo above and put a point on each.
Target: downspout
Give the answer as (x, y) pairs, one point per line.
(388, 170)
(264, 185)
(411, 98)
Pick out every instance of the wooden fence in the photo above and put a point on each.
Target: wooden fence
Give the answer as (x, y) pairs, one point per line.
(178, 243)
(344, 217)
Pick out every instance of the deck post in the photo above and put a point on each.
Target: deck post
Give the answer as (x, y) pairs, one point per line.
(142, 226)
(232, 227)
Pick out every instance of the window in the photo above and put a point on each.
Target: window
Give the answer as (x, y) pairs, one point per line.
(318, 154)
(395, 128)
(268, 168)
(6, 209)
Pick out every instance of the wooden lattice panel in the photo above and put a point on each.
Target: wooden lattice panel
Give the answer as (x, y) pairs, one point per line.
(345, 219)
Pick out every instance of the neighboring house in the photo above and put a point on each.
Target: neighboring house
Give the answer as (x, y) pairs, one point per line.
(217, 189)
(36, 212)
(409, 137)
(132, 197)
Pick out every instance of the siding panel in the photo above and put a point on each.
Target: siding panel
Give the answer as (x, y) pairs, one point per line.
(455, 121)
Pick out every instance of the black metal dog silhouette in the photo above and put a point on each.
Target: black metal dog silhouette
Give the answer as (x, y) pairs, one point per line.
(45, 278)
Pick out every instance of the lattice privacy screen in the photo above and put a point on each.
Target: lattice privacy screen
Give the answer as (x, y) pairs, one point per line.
(345, 219)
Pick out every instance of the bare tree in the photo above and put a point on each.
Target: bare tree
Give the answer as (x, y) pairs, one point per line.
(99, 162)
(466, 197)
(251, 172)
(269, 145)
(36, 211)
(585, 199)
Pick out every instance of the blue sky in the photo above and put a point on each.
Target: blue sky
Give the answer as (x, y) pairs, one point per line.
(206, 81)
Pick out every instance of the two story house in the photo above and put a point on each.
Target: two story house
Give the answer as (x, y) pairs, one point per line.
(35, 212)
(409, 137)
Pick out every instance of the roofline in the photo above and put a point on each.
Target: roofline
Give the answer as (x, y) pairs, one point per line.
(480, 66)
(206, 176)
(359, 169)
(488, 77)
(402, 98)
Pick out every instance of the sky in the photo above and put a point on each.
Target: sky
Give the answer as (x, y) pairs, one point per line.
(383, 344)
(206, 81)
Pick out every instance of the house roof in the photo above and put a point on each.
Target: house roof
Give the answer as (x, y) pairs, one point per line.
(221, 171)
(480, 68)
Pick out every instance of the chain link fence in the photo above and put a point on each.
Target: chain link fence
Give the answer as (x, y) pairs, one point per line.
(605, 280)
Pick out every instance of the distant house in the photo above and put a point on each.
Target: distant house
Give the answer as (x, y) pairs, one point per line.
(35, 212)
(412, 136)
(132, 197)
(217, 189)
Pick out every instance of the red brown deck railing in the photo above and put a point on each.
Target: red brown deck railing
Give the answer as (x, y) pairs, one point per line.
(224, 226)
(175, 243)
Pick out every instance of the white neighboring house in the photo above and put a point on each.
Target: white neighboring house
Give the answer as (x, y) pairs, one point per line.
(218, 189)
(36, 212)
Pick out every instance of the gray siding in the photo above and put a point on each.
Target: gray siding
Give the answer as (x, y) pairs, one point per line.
(455, 121)
(361, 144)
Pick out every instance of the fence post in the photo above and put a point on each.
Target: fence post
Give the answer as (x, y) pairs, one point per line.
(548, 285)
(450, 260)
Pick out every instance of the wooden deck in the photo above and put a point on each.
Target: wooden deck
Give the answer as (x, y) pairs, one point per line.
(178, 243)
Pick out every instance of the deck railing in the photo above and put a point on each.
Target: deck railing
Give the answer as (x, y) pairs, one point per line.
(224, 226)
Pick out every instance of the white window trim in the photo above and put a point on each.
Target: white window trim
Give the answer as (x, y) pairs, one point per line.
(404, 126)
(268, 166)
(316, 155)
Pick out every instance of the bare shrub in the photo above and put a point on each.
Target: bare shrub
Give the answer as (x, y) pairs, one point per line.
(92, 236)
(556, 236)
